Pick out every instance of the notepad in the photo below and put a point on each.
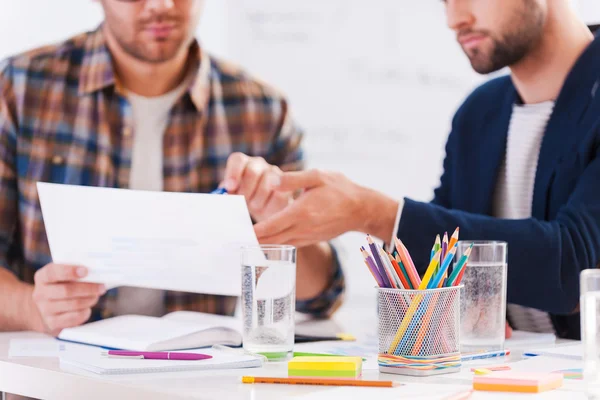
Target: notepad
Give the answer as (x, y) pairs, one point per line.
(175, 331)
(518, 382)
(99, 364)
(330, 366)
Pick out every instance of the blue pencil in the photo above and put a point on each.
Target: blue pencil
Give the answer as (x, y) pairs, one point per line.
(435, 282)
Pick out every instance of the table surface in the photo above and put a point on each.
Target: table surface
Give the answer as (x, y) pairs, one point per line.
(44, 378)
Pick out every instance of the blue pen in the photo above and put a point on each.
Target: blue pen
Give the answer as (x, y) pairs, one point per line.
(219, 191)
(484, 355)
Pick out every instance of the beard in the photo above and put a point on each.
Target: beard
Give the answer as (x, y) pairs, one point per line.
(512, 45)
(142, 46)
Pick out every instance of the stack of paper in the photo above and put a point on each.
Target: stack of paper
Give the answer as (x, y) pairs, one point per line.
(104, 365)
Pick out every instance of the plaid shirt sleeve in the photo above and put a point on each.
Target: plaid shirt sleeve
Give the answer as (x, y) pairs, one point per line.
(288, 155)
(8, 182)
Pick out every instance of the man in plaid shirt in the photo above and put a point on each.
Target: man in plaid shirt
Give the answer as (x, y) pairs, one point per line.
(136, 104)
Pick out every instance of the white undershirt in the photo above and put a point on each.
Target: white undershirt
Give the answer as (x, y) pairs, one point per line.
(150, 120)
(513, 196)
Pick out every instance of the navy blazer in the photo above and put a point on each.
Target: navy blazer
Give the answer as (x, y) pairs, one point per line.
(546, 252)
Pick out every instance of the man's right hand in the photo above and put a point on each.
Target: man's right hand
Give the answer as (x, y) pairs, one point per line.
(61, 300)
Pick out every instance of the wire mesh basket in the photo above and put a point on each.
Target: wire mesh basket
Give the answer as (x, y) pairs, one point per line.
(419, 331)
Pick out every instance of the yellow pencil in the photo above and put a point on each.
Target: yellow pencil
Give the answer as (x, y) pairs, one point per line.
(430, 270)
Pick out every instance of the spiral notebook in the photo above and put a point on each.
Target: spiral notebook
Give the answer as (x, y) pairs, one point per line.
(103, 365)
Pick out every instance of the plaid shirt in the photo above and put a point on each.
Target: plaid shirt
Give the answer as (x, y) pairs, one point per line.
(64, 118)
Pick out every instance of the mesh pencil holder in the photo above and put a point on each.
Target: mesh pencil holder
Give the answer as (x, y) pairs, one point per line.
(419, 331)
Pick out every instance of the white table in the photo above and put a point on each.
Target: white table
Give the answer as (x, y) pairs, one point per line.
(44, 378)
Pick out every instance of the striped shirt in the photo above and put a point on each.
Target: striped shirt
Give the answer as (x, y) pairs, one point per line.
(513, 197)
(64, 118)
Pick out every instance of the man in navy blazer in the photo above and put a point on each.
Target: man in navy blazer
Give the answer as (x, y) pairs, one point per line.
(522, 161)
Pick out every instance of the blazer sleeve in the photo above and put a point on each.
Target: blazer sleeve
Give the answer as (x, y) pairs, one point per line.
(545, 258)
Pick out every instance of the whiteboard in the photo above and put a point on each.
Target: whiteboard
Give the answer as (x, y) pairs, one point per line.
(374, 85)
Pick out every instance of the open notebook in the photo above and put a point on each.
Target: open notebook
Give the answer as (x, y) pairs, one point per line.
(175, 331)
(103, 365)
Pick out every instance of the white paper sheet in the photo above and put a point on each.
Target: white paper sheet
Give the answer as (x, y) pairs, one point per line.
(173, 241)
(520, 339)
(46, 347)
(572, 352)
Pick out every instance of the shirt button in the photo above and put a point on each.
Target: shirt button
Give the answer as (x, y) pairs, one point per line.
(57, 160)
(127, 131)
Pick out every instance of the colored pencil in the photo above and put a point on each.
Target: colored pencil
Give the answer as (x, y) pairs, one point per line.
(378, 262)
(459, 267)
(319, 381)
(432, 252)
(454, 238)
(445, 246)
(460, 276)
(389, 267)
(372, 267)
(403, 269)
(430, 305)
(388, 271)
(430, 270)
(403, 278)
(437, 280)
(408, 263)
(453, 241)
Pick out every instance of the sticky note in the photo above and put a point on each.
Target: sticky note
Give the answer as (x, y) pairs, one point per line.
(488, 369)
(482, 371)
(517, 382)
(330, 366)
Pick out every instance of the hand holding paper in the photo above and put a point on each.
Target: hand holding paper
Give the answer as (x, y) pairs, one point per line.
(173, 241)
(61, 300)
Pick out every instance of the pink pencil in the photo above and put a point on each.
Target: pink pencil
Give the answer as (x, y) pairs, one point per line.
(408, 263)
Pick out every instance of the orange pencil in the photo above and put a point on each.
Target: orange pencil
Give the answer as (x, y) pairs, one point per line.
(319, 381)
(399, 272)
(454, 238)
(408, 263)
(426, 320)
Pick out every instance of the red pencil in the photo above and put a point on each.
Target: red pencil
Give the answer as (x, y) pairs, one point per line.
(399, 272)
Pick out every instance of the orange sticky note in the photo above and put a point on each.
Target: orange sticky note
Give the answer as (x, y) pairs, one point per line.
(517, 382)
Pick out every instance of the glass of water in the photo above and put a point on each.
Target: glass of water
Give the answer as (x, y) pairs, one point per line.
(483, 303)
(269, 300)
(590, 330)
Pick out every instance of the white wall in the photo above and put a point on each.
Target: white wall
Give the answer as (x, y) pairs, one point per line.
(589, 10)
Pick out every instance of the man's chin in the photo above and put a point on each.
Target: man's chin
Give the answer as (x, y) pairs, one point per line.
(483, 67)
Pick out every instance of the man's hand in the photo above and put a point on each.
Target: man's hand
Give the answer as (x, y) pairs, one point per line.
(330, 205)
(61, 300)
(256, 180)
(508, 331)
